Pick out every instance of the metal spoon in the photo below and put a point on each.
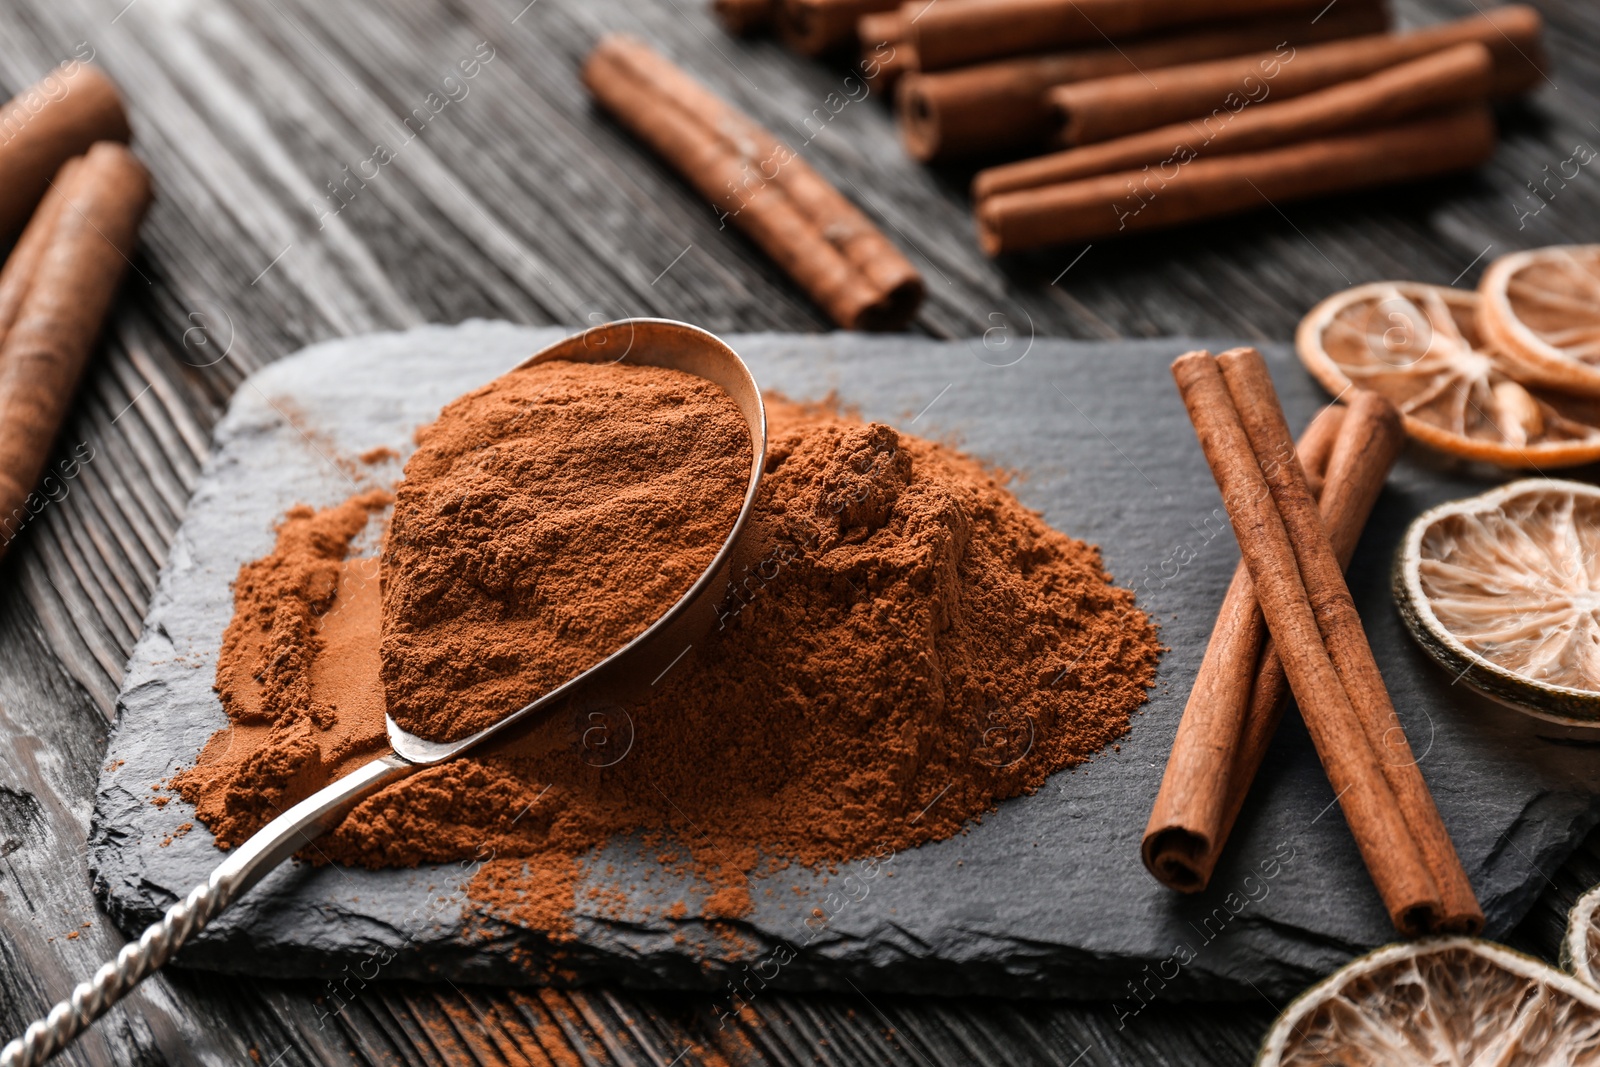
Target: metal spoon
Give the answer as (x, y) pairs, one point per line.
(616, 679)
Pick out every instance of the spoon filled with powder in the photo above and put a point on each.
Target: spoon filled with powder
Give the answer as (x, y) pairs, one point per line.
(559, 540)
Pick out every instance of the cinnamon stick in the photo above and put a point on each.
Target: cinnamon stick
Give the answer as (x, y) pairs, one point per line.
(817, 27)
(1240, 691)
(17, 275)
(1246, 469)
(1003, 105)
(1104, 108)
(955, 34)
(744, 18)
(56, 289)
(759, 184)
(47, 124)
(1179, 192)
(1250, 385)
(1451, 78)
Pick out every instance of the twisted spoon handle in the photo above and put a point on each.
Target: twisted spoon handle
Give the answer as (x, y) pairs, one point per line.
(248, 864)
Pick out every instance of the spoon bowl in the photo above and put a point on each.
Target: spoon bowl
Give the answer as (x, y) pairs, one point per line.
(636, 666)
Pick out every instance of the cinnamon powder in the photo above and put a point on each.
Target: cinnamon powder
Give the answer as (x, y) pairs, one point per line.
(545, 520)
(904, 645)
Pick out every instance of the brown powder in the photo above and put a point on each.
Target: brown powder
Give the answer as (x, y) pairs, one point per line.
(904, 646)
(545, 520)
(273, 754)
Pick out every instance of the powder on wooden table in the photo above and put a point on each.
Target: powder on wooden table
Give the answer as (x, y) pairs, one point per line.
(544, 521)
(904, 646)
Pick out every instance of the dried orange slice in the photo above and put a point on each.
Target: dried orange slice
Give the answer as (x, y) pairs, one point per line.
(1542, 309)
(1503, 589)
(1419, 346)
(1580, 949)
(1453, 1000)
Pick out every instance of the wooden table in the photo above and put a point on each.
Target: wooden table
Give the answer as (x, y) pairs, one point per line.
(507, 196)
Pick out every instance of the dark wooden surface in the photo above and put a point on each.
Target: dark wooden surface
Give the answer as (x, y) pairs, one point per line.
(517, 201)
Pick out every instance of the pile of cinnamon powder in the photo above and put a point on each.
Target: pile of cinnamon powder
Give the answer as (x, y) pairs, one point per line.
(904, 645)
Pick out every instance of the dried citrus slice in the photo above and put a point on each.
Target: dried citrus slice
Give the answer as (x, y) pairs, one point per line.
(1542, 309)
(1580, 949)
(1453, 1000)
(1503, 589)
(1419, 346)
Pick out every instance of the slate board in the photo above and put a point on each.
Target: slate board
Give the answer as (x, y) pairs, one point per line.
(1047, 897)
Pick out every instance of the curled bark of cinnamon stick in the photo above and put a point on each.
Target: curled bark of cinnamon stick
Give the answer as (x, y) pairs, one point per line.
(1240, 692)
(955, 34)
(1451, 78)
(1003, 105)
(760, 185)
(1185, 189)
(60, 281)
(47, 124)
(1104, 108)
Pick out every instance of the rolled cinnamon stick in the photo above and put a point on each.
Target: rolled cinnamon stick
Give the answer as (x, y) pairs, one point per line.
(744, 18)
(817, 236)
(1240, 692)
(47, 124)
(1451, 78)
(817, 27)
(1098, 110)
(1180, 191)
(1003, 105)
(77, 248)
(1250, 385)
(956, 34)
(1397, 865)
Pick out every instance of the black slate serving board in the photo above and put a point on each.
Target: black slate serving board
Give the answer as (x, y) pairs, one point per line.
(1047, 896)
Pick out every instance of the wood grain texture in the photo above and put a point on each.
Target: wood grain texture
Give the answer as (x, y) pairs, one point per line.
(518, 201)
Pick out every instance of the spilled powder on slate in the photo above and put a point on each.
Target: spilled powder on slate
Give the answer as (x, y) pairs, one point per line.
(904, 645)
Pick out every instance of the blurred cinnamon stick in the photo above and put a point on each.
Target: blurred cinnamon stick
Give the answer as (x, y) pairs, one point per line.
(953, 34)
(885, 52)
(744, 18)
(55, 291)
(1205, 188)
(47, 124)
(1003, 105)
(1451, 78)
(759, 184)
(817, 27)
(1103, 108)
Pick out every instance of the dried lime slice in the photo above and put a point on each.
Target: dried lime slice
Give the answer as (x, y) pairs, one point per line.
(1580, 949)
(1420, 347)
(1503, 589)
(1542, 308)
(1453, 1000)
